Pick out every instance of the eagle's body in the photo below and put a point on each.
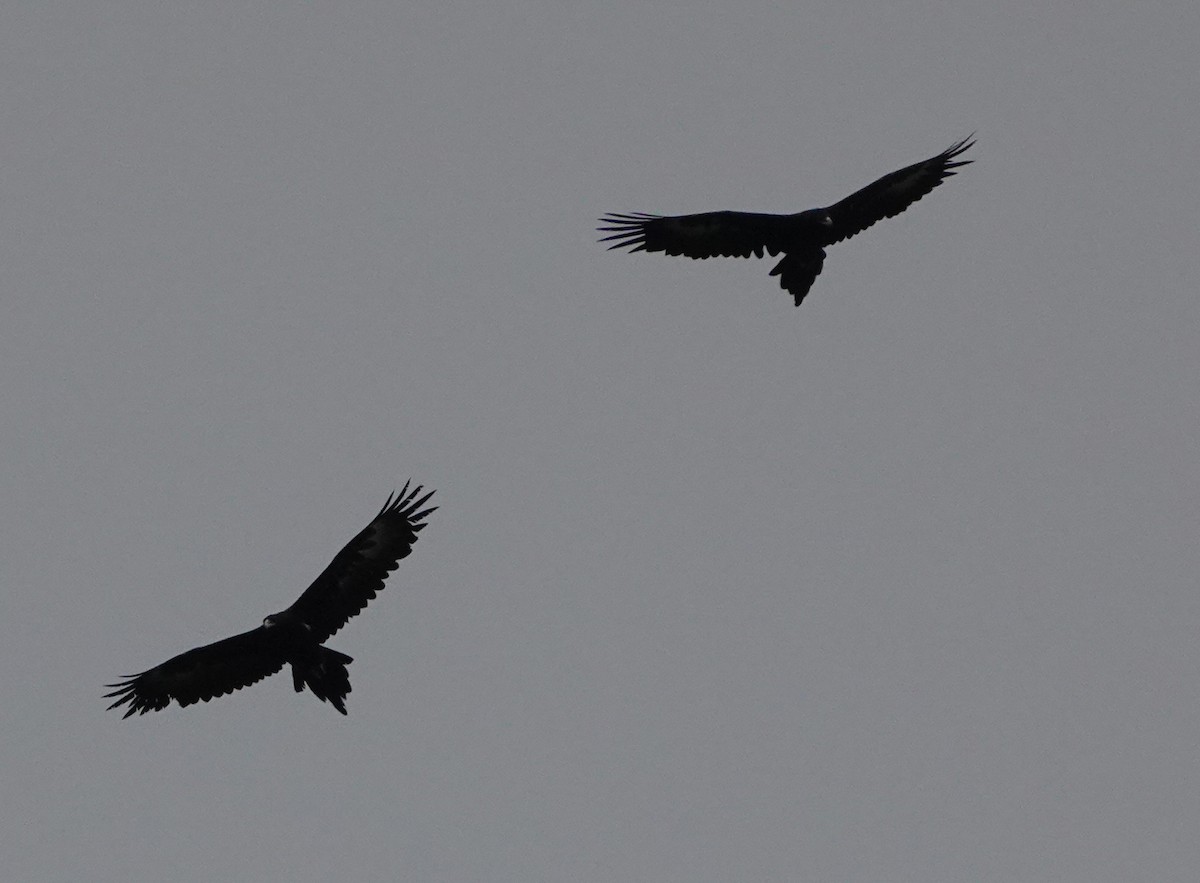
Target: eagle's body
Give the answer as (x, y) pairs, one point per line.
(294, 636)
(802, 238)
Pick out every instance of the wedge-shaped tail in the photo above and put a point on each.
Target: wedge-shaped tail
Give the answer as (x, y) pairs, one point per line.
(325, 675)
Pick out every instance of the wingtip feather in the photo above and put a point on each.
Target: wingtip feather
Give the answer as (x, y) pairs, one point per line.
(957, 149)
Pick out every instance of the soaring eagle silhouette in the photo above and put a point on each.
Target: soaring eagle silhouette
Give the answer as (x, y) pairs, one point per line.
(294, 636)
(802, 237)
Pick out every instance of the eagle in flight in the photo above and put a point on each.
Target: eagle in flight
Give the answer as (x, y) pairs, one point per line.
(801, 238)
(295, 636)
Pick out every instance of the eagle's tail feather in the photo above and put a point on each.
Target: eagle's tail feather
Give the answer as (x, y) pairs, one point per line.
(326, 675)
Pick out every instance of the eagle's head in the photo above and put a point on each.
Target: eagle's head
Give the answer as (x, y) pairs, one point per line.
(285, 618)
(814, 217)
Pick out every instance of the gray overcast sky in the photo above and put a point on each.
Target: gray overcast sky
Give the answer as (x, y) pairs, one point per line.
(900, 585)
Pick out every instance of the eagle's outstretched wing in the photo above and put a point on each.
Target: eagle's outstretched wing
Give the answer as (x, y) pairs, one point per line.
(201, 674)
(892, 193)
(357, 574)
(707, 235)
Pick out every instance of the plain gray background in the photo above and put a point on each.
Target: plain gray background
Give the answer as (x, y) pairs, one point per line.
(900, 585)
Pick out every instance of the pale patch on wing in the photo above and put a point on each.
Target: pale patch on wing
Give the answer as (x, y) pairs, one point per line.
(377, 545)
(685, 227)
(908, 182)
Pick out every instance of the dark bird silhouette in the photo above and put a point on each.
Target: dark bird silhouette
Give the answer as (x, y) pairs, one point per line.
(295, 636)
(801, 238)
